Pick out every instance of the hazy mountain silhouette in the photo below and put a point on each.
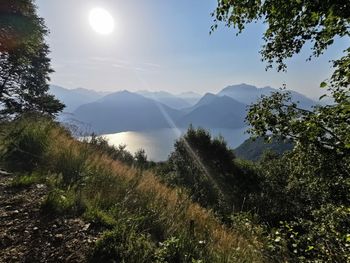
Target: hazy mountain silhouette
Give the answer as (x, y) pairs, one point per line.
(191, 97)
(215, 112)
(73, 98)
(248, 94)
(146, 110)
(126, 111)
(166, 98)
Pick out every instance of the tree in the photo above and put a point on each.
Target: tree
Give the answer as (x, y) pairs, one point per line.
(206, 167)
(24, 62)
(314, 178)
(140, 158)
(290, 24)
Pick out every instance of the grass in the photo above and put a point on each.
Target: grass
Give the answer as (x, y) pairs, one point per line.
(27, 180)
(142, 218)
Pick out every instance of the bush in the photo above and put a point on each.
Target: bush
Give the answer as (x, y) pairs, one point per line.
(123, 244)
(323, 238)
(99, 218)
(26, 144)
(59, 202)
(71, 164)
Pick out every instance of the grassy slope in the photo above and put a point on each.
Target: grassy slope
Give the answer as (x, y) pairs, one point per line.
(143, 220)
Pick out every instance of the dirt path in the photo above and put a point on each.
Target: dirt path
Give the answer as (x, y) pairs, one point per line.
(26, 235)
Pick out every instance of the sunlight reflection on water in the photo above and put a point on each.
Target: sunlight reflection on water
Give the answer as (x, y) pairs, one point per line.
(158, 144)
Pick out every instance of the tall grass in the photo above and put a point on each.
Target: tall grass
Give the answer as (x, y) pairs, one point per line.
(142, 217)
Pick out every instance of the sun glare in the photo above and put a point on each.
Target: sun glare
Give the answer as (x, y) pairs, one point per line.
(101, 21)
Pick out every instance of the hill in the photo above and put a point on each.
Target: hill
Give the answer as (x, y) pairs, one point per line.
(126, 111)
(93, 194)
(253, 149)
(248, 94)
(146, 110)
(215, 112)
(73, 98)
(166, 98)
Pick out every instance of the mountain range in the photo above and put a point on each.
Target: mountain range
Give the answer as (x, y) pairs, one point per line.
(146, 110)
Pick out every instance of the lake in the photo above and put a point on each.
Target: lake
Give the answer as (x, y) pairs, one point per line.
(159, 144)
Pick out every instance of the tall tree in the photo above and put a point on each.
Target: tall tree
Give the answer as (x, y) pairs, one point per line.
(24, 62)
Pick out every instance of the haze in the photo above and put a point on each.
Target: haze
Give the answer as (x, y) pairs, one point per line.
(165, 45)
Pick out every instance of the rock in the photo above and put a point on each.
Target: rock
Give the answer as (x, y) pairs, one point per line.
(86, 227)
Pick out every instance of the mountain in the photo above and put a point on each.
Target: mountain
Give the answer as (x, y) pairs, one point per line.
(191, 97)
(254, 149)
(145, 110)
(248, 94)
(215, 112)
(126, 111)
(73, 98)
(166, 98)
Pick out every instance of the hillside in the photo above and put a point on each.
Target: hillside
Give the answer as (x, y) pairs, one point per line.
(73, 98)
(148, 110)
(166, 98)
(215, 112)
(253, 149)
(135, 217)
(56, 238)
(249, 94)
(126, 111)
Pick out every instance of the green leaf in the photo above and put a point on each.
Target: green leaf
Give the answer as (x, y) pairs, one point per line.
(323, 85)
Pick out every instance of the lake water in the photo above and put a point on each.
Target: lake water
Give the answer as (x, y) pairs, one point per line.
(159, 144)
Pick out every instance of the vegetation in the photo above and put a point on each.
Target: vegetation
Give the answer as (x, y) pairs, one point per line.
(142, 218)
(24, 62)
(253, 148)
(206, 167)
(290, 208)
(307, 190)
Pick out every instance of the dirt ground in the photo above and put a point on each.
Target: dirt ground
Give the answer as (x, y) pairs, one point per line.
(27, 235)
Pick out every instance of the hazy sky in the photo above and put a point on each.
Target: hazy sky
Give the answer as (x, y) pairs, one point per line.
(165, 45)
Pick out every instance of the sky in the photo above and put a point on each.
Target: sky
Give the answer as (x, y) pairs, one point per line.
(165, 45)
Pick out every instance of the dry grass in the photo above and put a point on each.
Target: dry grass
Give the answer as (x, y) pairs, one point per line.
(108, 182)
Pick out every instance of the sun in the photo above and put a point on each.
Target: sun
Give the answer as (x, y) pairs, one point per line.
(101, 21)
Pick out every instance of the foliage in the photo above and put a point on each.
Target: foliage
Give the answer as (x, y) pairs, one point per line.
(325, 128)
(140, 158)
(206, 167)
(123, 244)
(24, 62)
(27, 180)
(63, 202)
(308, 188)
(254, 148)
(289, 24)
(116, 153)
(142, 218)
(26, 144)
(324, 237)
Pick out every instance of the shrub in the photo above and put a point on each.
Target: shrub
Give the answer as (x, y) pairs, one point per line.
(123, 244)
(26, 144)
(71, 164)
(99, 218)
(61, 202)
